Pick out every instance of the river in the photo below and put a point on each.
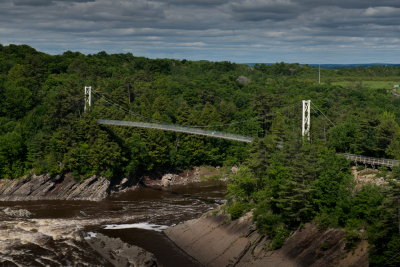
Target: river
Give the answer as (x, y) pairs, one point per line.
(56, 232)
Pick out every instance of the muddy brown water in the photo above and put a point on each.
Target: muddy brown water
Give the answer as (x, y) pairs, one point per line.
(55, 233)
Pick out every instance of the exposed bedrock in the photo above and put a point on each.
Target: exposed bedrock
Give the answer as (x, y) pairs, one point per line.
(214, 240)
(121, 254)
(94, 188)
(61, 187)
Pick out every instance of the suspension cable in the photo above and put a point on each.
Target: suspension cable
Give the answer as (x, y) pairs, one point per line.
(321, 113)
(153, 120)
(122, 108)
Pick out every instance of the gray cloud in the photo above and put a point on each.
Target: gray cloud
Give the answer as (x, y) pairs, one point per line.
(32, 3)
(238, 30)
(256, 10)
(44, 2)
(353, 4)
(195, 2)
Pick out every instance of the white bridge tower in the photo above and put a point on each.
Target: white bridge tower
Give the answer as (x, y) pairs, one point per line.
(88, 98)
(305, 126)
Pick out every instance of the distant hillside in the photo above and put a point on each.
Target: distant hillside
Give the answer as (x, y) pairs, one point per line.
(337, 66)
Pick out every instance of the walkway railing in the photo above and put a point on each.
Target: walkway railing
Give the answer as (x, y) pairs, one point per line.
(180, 129)
(235, 137)
(371, 161)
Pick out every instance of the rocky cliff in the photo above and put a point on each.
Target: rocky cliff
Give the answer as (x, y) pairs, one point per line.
(214, 240)
(95, 188)
(61, 187)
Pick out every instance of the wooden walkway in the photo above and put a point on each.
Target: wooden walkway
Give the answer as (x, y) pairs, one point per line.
(179, 129)
(371, 161)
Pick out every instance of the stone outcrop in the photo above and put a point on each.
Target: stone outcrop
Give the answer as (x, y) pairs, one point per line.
(171, 179)
(175, 179)
(121, 254)
(195, 175)
(95, 188)
(215, 241)
(45, 187)
(368, 176)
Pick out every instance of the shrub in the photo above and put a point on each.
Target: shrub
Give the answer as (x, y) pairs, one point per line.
(280, 235)
(352, 237)
(326, 220)
(237, 209)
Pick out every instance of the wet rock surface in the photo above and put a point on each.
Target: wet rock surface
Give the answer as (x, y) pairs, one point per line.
(121, 254)
(42, 242)
(123, 228)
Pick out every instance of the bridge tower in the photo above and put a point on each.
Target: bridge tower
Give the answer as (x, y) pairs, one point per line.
(88, 98)
(305, 126)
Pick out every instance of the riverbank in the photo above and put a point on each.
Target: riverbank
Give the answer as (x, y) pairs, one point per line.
(60, 187)
(96, 188)
(60, 233)
(214, 240)
(195, 175)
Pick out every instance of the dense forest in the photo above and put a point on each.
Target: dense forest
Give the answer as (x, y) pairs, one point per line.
(285, 179)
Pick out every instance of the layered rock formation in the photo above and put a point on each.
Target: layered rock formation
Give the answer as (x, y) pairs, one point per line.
(94, 188)
(121, 254)
(215, 241)
(45, 187)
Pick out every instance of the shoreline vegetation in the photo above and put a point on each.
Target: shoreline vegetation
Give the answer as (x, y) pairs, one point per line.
(286, 181)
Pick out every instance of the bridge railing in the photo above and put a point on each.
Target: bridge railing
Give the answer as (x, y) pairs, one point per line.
(177, 128)
(371, 161)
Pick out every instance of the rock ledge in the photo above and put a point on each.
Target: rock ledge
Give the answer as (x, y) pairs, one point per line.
(45, 187)
(214, 240)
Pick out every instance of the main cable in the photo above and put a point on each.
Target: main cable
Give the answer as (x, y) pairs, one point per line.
(122, 108)
(153, 120)
(321, 113)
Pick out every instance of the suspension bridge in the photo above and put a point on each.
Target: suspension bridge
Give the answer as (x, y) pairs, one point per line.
(306, 119)
(179, 129)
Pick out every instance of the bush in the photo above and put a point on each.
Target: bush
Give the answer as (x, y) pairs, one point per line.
(237, 210)
(396, 173)
(271, 225)
(326, 220)
(352, 237)
(266, 222)
(280, 235)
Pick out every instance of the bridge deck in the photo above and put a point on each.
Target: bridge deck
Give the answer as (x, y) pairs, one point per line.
(235, 137)
(372, 161)
(180, 129)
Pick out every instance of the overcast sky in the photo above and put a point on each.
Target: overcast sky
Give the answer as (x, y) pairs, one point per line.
(244, 31)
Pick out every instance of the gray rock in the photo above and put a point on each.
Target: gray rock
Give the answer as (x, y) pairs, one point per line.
(44, 187)
(168, 179)
(124, 181)
(120, 253)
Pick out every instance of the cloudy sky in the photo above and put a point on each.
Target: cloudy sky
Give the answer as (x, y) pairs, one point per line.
(305, 31)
